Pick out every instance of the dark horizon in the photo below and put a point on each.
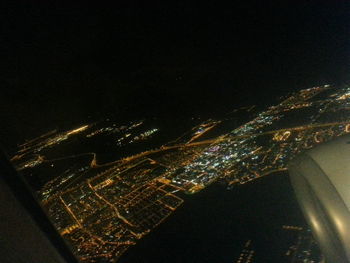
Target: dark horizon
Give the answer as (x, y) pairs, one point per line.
(71, 62)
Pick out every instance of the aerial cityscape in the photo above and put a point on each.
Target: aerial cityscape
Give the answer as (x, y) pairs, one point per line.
(103, 203)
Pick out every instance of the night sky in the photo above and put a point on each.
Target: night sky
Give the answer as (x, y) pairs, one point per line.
(67, 62)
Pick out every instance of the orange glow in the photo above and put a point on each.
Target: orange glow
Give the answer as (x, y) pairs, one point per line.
(347, 128)
(80, 129)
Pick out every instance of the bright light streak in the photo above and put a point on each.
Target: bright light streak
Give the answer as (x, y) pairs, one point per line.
(80, 129)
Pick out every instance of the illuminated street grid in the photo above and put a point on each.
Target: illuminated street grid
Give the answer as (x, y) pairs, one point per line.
(304, 249)
(247, 254)
(104, 214)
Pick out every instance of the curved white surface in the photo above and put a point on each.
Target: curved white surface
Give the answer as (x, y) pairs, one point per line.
(321, 181)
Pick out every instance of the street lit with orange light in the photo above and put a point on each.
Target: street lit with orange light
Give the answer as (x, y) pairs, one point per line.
(101, 207)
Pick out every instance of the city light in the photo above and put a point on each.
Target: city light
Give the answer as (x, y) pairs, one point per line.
(103, 208)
